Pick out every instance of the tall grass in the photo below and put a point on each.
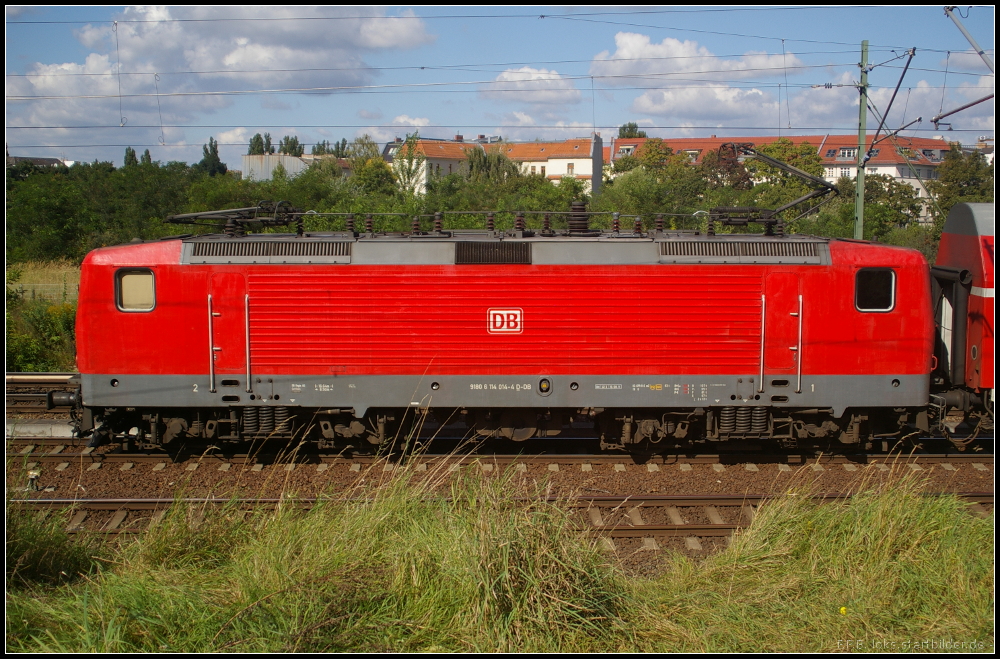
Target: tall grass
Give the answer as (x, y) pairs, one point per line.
(880, 572)
(401, 568)
(395, 569)
(39, 551)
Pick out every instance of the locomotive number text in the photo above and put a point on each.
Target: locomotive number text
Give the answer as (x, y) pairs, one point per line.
(499, 386)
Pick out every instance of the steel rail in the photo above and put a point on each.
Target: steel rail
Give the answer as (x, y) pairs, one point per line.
(744, 511)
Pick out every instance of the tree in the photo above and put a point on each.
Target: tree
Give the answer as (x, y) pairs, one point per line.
(372, 174)
(724, 172)
(290, 146)
(654, 155)
(774, 187)
(625, 164)
(630, 130)
(268, 148)
(146, 158)
(408, 165)
(363, 148)
(962, 177)
(130, 159)
(256, 146)
(490, 165)
(210, 163)
(321, 148)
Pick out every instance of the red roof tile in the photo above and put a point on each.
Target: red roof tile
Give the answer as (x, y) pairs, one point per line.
(535, 151)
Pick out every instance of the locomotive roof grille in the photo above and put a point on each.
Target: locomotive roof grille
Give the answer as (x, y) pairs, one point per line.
(719, 248)
(484, 253)
(268, 248)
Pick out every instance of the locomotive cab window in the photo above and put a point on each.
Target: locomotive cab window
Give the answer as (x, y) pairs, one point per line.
(135, 290)
(875, 289)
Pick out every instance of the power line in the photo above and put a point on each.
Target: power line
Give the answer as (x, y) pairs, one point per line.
(424, 85)
(444, 16)
(439, 67)
(480, 68)
(766, 129)
(580, 16)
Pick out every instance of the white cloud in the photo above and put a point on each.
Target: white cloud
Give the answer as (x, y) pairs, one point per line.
(709, 104)
(518, 119)
(236, 135)
(637, 61)
(965, 61)
(406, 120)
(385, 134)
(235, 55)
(518, 126)
(531, 86)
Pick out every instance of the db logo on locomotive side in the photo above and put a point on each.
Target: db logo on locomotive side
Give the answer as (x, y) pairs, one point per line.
(504, 321)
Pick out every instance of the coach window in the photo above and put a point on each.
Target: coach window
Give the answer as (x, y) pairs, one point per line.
(135, 290)
(875, 289)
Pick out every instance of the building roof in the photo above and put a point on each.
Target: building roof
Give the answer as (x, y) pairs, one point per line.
(38, 162)
(541, 151)
(825, 144)
(433, 149)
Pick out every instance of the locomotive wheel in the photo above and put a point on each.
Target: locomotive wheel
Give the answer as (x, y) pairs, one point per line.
(517, 425)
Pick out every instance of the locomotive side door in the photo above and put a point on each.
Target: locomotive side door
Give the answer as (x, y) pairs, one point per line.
(782, 323)
(228, 327)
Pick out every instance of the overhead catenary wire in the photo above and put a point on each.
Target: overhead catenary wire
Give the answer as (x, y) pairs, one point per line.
(763, 129)
(418, 85)
(421, 67)
(578, 16)
(442, 16)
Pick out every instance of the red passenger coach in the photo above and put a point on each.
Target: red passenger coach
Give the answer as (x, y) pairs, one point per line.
(965, 310)
(652, 336)
(963, 377)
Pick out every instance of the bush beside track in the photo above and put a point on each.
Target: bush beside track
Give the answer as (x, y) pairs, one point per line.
(479, 572)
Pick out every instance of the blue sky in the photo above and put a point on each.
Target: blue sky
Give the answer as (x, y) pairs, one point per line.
(523, 73)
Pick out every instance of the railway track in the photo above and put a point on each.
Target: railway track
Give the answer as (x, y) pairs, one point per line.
(55, 449)
(26, 392)
(644, 518)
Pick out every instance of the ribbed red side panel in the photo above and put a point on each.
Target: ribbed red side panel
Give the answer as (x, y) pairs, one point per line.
(382, 320)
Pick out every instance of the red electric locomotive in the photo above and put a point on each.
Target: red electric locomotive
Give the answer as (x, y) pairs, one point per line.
(654, 336)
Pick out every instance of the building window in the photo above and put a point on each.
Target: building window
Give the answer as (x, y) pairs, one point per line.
(449, 168)
(848, 152)
(135, 290)
(830, 153)
(625, 150)
(830, 171)
(532, 170)
(875, 289)
(543, 170)
(437, 169)
(569, 169)
(845, 171)
(872, 170)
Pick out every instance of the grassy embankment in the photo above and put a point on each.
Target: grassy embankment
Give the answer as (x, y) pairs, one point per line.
(40, 316)
(401, 571)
